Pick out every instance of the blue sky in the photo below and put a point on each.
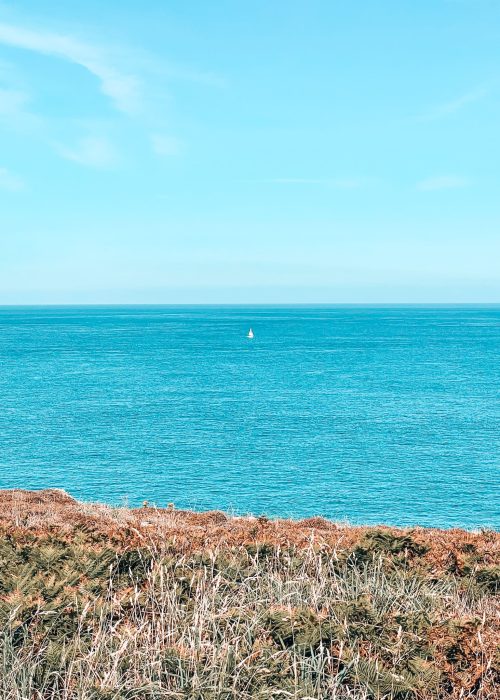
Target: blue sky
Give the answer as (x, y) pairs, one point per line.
(315, 151)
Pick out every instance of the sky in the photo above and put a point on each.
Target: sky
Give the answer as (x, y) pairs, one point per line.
(284, 151)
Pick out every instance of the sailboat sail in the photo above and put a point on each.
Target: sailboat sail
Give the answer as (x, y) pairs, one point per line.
(250, 334)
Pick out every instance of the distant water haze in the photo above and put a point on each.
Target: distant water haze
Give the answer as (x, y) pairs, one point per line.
(371, 414)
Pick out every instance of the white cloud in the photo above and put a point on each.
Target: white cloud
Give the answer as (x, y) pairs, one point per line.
(181, 73)
(14, 109)
(164, 145)
(121, 88)
(456, 104)
(340, 183)
(93, 151)
(463, 100)
(442, 182)
(9, 181)
(122, 76)
(12, 101)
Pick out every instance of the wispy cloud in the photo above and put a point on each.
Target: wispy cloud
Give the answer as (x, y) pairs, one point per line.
(123, 89)
(442, 182)
(14, 109)
(12, 101)
(92, 151)
(340, 183)
(9, 181)
(135, 83)
(455, 105)
(164, 145)
(181, 73)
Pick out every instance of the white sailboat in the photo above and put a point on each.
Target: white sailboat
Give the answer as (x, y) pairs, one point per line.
(250, 334)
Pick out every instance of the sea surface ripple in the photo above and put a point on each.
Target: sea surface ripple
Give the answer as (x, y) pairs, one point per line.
(366, 414)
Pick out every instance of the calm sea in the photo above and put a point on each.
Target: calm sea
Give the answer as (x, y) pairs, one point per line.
(370, 414)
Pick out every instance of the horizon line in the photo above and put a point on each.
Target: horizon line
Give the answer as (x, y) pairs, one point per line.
(244, 304)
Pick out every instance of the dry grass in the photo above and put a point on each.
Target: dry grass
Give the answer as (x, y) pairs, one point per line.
(99, 603)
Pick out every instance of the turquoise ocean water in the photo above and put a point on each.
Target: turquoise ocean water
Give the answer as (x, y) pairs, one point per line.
(370, 414)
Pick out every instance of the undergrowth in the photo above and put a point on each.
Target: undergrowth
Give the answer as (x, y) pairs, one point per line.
(81, 619)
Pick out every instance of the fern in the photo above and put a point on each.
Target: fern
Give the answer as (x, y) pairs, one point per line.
(48, 557)
(381, 682)
(406, 682)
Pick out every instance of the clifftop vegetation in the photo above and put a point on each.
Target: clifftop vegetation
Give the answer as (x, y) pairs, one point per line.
(98, 603)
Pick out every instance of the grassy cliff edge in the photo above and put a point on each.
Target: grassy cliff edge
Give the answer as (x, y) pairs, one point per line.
(101, 603)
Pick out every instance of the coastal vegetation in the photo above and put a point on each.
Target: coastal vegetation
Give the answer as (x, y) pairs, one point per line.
(100, 603)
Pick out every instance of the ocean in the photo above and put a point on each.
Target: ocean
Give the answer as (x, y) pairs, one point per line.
(365, 414)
